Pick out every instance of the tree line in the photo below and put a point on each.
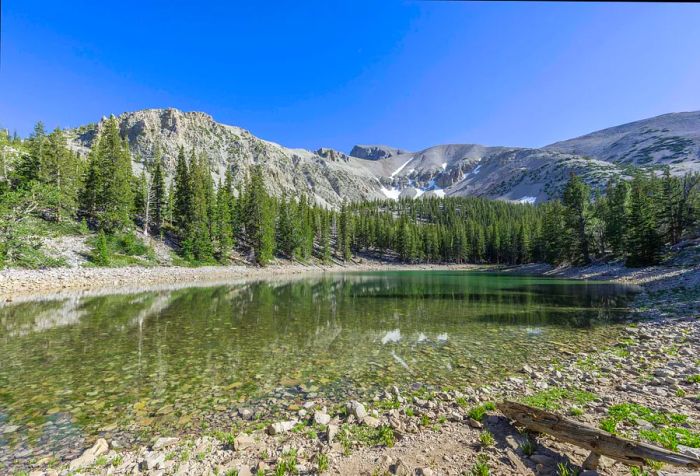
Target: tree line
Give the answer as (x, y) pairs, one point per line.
(634, 219)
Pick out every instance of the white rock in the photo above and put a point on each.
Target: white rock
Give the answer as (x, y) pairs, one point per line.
(371, 421)
(90, 455)
(332, 432)
(281, 427)
(321, 418)
(356, 409)
(164, 442)
(243, 441)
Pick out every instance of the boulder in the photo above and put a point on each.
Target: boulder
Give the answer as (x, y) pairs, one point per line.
(243, 441)
(332, 432)
(281, 427)
(356, 409)
(371, 421)
(152, 460)
(90, 455)
(164, 442)
(321, 418)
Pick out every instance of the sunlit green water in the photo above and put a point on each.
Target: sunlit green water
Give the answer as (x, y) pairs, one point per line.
(164, 359)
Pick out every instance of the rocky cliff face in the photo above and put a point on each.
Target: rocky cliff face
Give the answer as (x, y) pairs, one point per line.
(330, 179)
(376, 171)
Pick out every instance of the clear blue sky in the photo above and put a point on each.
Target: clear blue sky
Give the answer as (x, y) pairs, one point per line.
(311, 74)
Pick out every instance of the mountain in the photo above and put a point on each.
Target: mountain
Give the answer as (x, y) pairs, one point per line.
(527, 175)
(330, 178)
(509, 173)
(375, 152)
(670, 139)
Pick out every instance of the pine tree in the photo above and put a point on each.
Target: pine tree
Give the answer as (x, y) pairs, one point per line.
(159, 193)
(286, 232)
(344, 234)
(182, 195)
(28, 167)
(576, 199)
(107, 195)
(643, 242)
(553, 232)
(197, 236)
(60, 169)
(223, 217)
(259, 218)
(325, 237)
(615, 215)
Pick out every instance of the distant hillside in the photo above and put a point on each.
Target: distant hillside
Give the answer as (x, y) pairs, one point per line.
(670, 139)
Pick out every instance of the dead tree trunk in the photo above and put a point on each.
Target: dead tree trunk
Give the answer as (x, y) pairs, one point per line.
(599, 442)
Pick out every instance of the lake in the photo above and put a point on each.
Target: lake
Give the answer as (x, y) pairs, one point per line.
(169, 360)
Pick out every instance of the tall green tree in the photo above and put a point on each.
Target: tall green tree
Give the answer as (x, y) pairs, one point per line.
(576, 200)
(159, 192)
(223, 217)
(643, 241)
(344, 234)
(259, 218)
(615, 217)
(197, 236)
(182, 194)
(108, 196)
(61, 170)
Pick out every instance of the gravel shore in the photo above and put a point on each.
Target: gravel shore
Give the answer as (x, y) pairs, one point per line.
(29, 283)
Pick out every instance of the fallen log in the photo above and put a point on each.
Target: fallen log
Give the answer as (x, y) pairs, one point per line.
(599, 442)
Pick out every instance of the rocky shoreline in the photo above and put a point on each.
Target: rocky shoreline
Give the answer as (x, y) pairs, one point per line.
(646, 387)
(51, 282)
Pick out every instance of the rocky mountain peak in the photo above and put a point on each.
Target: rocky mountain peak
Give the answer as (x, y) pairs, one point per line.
(375, 152)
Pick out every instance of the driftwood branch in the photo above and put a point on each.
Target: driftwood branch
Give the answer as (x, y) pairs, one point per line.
(599, 442)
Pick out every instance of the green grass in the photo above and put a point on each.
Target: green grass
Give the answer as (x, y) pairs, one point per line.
(481, 467)
(554, 398)
(288, 464)
(564, 469)
(322, 462)
(693, 378)
(621, 352)
(366, 436)
(667, 435)
(225, 437)
(587, 364)
(671, 437)
(609, 425)
(630, 412)
(478, 412)
(117, 461)
(486, 438)
(527, 446)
